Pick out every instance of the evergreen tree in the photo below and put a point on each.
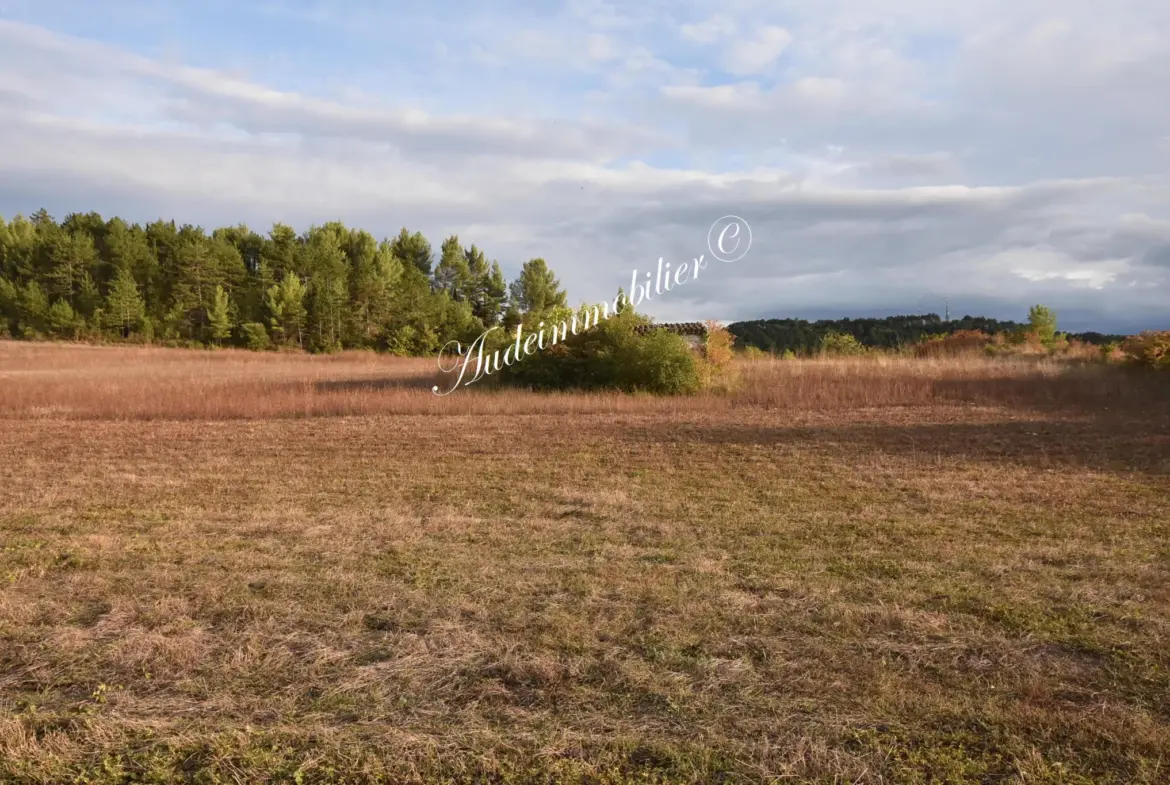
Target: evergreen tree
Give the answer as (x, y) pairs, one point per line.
(128, 248)
(286, 309)
(124, 310)
(413, 249)
(452, 275)
(372, 288)
(32, 309)
(9, 304)
(280, 250)
(219, 321)
(71, 257)
(62, 320)
(327, 267)
(18, 250)
(1043, 322)
(492, 297)
(537, 289)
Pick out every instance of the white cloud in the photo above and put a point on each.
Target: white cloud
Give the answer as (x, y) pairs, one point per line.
(758, 53)
(885, 152)
(709, 30)
(741, 95)
(1042, 264)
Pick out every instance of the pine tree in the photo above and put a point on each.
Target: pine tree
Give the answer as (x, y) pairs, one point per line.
(493, 296)
(62, 320)
(537, 290)
(1043, 323)
(32, 309)
(327, 267)
(124, 309)
(413, 249)
(286, 309)
(71, 257)
(219, 322)
(452, 275)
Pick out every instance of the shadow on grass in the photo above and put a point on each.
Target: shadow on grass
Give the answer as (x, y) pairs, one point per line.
(421, 382)
(1099, 444)
(1090, 390)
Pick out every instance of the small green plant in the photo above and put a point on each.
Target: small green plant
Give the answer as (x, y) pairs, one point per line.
(1111, 351)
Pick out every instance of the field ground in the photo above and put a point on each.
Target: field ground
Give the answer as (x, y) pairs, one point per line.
(224, 567)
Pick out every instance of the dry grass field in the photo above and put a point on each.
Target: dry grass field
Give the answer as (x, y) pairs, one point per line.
(222, 567)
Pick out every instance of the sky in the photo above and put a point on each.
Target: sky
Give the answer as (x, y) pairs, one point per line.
(888, 155)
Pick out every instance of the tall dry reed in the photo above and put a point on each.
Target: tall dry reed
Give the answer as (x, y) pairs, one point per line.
(87, 382)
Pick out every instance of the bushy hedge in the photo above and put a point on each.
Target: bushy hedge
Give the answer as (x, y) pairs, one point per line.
(1151, 349)
(613, 356)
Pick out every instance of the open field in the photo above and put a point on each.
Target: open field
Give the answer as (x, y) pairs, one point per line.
(234, 567)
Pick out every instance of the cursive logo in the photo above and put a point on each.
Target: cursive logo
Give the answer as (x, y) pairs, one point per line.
(729, 238)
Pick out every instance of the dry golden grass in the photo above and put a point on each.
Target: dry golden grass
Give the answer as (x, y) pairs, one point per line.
(231, 567)
(77, 381)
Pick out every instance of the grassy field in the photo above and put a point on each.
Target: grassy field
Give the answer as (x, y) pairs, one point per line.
(242, 568)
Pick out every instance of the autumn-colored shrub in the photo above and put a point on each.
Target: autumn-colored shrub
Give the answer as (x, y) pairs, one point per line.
(717, 368)
(1150, 348)
(1111, 352)
(954, 345)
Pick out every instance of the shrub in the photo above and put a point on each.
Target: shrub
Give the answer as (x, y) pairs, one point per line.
(841, 344)
(658, 362)
(754, 353)
(611, 355)
(255, 336)
(1111, 351)
(717, 367)
(1151, 349)
(956, 344)
(1042, 321)
(63, 320)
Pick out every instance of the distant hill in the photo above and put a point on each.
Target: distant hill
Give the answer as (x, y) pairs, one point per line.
(799, 335)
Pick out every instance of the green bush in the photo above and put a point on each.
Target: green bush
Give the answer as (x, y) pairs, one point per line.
(255, 336)
(612, 355)
(841, 344)
(63, 320)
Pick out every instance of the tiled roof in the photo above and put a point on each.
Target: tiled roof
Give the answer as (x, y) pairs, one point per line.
(678, 328)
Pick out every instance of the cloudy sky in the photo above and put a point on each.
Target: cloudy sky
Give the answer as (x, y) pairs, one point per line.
(887, 154)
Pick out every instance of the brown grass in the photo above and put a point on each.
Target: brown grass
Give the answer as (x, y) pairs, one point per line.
(77, 381)
(231, 567)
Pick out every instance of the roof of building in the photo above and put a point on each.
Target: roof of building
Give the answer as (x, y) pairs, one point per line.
(678, 328)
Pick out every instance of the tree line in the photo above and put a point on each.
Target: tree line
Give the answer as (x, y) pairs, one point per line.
(330, 287)
(803, 337)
